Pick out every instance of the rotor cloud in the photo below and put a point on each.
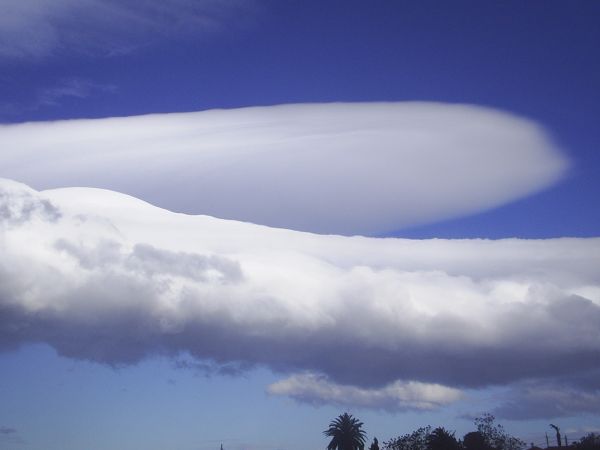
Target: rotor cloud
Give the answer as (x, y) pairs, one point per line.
(103, 276)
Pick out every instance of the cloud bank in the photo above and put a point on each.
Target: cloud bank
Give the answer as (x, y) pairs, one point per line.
(365, 168)
(37, 29)
(387, 323)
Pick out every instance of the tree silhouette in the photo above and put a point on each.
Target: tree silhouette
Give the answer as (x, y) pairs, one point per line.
(590, 441)
(489, 436)
(417, 440)
(374, 444)
(346, 433)
(475, 441)
(442, 439)
(495, 436)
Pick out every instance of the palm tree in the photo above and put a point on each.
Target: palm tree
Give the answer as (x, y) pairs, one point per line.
(346, 433)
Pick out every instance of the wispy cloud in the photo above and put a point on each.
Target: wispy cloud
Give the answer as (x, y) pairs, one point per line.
(103, 276)
(57, 93)
(10, 435)
(71, 88)
(36, 29)
(210, 368)
(363, 168)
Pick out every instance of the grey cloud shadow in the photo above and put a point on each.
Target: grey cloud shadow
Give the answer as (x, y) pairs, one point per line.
(18, 209)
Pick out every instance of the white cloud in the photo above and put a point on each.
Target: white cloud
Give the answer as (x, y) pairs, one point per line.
(35, 29)
(397, 396)
(328, 168)
(104, 276)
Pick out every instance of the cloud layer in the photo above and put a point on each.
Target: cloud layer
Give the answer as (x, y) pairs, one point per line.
(390, 323)
(35, 29)
(329, 168)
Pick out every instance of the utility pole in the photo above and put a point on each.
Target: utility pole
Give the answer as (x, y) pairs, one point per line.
(558, 439)
(547, 442)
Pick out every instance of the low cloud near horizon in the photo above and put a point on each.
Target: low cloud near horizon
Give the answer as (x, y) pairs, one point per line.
(396, 396)
(340, 168)
(392, 324)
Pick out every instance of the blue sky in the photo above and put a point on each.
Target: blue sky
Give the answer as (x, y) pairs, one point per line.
(534, 61)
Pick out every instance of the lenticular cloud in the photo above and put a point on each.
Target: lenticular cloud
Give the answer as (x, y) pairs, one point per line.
(362, 168)
(103, 276)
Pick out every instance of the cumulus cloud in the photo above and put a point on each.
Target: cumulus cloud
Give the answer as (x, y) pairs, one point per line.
(397, 396)
(364, 168)
(389, 323)
(18, 205)
(35, 29)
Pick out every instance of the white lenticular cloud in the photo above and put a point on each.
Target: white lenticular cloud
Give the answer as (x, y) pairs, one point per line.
(364, 168)
(388, 323)
(397, 396)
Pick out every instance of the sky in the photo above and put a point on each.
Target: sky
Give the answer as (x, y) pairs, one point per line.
(228, 222)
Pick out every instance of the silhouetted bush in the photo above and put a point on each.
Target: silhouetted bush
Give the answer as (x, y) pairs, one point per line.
(475, 441)
(494, 435)
(442, 439)
(489, 436)
(590, 441)
(417, 440)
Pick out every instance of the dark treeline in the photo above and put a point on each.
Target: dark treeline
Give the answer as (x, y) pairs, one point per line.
(347, 433)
